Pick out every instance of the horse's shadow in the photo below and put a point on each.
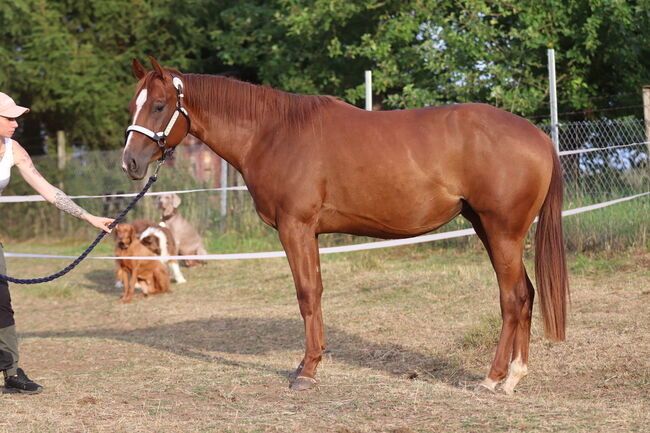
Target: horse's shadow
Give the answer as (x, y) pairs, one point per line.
(197, 338)
(254, 336)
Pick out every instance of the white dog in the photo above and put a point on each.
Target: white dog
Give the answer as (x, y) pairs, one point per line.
(158, 241)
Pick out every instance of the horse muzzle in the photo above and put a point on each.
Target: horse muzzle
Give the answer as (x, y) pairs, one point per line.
(135, 166)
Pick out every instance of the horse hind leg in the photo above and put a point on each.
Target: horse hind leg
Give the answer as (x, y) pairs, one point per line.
(516, 299)
(519, 363)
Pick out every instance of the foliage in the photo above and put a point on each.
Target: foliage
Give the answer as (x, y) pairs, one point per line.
(69, 60)
(425, 52)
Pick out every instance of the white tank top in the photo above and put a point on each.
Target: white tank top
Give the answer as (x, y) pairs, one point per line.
(6, 163)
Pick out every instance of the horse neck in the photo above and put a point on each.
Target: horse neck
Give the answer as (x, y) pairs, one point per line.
(230, 143)
(232, 116)
(228, 134)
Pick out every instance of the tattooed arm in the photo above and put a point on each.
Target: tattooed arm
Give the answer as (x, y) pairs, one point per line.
(64, 203)
(51, 193)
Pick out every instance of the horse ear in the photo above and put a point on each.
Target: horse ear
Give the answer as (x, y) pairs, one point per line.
(157, 68)
(138, 70)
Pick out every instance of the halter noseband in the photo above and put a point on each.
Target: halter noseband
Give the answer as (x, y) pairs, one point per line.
(161, 137)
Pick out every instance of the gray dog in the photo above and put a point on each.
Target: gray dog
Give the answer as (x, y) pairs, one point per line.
(188, 240)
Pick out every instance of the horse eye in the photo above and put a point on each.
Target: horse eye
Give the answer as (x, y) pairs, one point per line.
(158, 108)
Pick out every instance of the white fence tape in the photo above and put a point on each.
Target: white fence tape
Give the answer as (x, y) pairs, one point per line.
(331, 250)
(27, 198)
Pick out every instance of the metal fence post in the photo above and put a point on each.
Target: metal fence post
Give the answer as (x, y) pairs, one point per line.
(224, 193)
(369, 90)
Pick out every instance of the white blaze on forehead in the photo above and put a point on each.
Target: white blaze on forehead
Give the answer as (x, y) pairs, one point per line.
(139, 102)
(142, 98)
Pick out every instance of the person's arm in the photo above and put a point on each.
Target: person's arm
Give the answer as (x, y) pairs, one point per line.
(51, 193)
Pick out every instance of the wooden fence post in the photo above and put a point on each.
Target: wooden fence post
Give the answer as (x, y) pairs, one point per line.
(646, 118)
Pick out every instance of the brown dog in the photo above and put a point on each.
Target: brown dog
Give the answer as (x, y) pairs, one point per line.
(151, 274)
(188, 240)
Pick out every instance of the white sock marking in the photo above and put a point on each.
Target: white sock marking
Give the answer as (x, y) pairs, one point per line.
(517, 371)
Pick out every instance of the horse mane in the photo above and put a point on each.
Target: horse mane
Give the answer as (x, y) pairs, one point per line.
(235, 100)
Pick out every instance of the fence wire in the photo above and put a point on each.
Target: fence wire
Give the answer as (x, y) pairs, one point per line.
(603, 159)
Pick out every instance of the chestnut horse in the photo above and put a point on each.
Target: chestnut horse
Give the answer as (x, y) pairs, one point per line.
(314, 164)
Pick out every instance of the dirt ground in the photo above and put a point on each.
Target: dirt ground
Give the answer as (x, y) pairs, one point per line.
(410, 333)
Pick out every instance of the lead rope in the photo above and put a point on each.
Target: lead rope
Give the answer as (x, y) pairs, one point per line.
(71, 266)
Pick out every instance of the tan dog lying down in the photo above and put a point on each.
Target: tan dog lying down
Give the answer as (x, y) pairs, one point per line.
(151, 274)
(188, 240)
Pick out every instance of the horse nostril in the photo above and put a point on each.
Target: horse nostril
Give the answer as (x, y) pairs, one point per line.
(132, 165)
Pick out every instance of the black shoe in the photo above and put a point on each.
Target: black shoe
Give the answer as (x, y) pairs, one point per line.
(21, 383)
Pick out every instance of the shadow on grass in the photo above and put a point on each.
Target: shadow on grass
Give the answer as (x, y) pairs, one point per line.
(102, 281)
(199, 339)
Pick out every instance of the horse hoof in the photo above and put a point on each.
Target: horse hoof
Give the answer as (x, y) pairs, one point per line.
(294, 374)
(302, 383)
(486, 387)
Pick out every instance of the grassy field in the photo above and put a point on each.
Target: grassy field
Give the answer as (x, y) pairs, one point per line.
(410, 330)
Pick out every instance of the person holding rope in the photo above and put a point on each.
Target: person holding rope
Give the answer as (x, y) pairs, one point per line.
(12, 153)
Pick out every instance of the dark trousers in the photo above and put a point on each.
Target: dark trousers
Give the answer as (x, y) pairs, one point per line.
(8, 341)
(6, 312)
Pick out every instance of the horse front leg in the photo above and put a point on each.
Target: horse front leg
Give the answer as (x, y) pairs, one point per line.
(301, 246)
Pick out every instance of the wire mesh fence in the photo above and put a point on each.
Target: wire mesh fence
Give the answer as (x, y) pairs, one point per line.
(100, 173)
(603, 159)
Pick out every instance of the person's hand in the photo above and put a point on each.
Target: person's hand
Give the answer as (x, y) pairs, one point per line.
(99, 222)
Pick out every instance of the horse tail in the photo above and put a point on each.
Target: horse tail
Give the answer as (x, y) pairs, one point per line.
(550, 259)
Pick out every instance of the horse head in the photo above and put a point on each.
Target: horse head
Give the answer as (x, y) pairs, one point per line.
(160, 120)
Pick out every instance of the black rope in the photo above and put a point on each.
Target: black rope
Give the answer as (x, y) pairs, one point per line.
(72, 265)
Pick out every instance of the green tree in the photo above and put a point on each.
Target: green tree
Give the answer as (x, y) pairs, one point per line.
(427, 52)
(69, 60)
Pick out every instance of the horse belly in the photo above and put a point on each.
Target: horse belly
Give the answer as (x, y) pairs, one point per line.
(394, 213)
(391, 182)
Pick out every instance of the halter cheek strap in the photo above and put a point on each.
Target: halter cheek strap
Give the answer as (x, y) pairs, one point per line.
(161, 137)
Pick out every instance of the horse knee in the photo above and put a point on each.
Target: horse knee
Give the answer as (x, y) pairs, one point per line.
(308, 297)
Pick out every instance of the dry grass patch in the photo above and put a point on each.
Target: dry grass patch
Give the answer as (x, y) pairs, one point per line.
(410, 332)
